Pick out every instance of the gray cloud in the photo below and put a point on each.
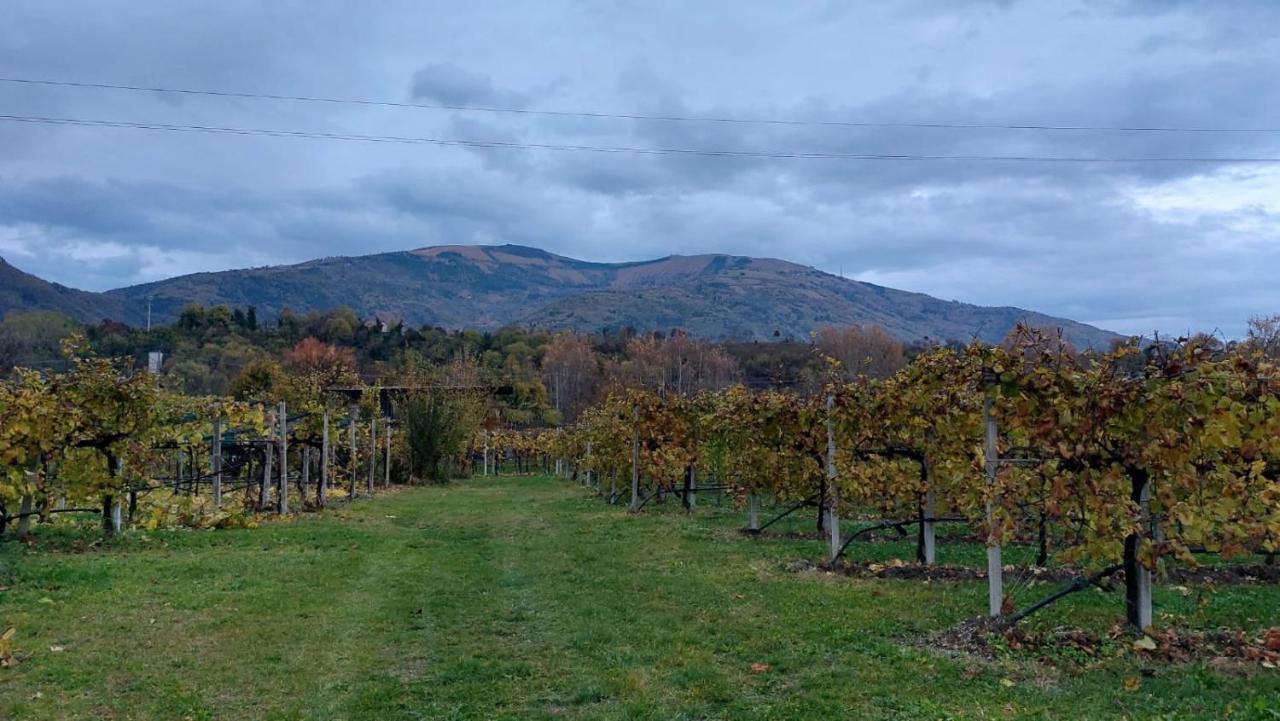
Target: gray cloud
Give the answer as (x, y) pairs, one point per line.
(1136, 247)
(448, 84)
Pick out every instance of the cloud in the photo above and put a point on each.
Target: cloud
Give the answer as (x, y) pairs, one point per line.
(1133, 246)
(449, 84)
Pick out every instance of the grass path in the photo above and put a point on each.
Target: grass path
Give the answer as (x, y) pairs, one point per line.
(520, 599)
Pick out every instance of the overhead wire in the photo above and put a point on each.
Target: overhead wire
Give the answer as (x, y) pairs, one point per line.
(1062, 127)
(707, 152)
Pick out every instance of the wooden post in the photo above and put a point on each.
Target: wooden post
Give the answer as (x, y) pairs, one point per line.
(833, 508)
(692, 495)
(386, 463)
(325, 452)
(351, 487)
(282, 488)
(635, 460)
(613, 486)
(485, 467)
(373, 452)
(995, 568)
(215, 463)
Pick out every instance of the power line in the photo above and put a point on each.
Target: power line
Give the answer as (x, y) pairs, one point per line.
(499, 144)
(636, 116)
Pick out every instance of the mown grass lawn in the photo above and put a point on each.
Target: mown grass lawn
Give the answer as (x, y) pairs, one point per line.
(525, 599)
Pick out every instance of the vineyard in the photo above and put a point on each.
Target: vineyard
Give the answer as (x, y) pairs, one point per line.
(777, 542)
(1123, 464)
(103, 438)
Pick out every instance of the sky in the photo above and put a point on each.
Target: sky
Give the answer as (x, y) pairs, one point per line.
(1173, 246)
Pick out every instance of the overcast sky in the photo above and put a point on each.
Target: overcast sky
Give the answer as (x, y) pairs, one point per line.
(1132, 247)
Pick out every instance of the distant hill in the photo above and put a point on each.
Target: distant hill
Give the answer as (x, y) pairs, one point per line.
(486, 287)
(21, 292)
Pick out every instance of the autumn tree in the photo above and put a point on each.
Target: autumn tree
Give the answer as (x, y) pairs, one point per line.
(1264, 335)
(862, 350)
(572, 370)
(677, 364)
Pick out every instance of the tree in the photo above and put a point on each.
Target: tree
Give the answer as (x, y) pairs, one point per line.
(862, 350)
(677, 364)
(1264, 335)
(572, 370)
(33, 337)
(441, 415)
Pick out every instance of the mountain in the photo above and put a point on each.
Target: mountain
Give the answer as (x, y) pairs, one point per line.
(486, 287)
(21, 292)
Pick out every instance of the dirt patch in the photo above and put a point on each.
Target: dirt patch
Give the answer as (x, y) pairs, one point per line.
(1227, 650)
(896, 568)
(784, 535)
(1252, 573)
(917, 571)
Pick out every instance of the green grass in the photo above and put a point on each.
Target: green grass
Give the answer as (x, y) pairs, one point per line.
(525, 599)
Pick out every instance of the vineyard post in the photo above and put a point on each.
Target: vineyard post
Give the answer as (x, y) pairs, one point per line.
(306, 474)
(386, 465)
(282, 488)
(635, 459)
(264, 486)
(373, 452)
(485, 467)
(351, 482)
(833, 509)
(266, 462)
(753, 511)
(995, 568)
(111, 519)
(692, 495)
(929, 526)
(215, 463)
(24, 520)
(325, 452)
(1138, 591)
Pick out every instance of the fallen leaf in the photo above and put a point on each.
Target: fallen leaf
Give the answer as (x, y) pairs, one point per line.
(46, 599)
(1145, 643)
(57, 649)
(759, 667)
(1271, 639)
(1007, 682)
(1133, 683)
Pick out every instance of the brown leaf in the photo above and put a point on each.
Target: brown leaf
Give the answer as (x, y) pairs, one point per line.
(759, 667)
(1271, 639)
(1133, 683)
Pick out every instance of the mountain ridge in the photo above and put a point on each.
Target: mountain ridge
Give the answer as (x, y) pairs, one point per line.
(485, 287)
